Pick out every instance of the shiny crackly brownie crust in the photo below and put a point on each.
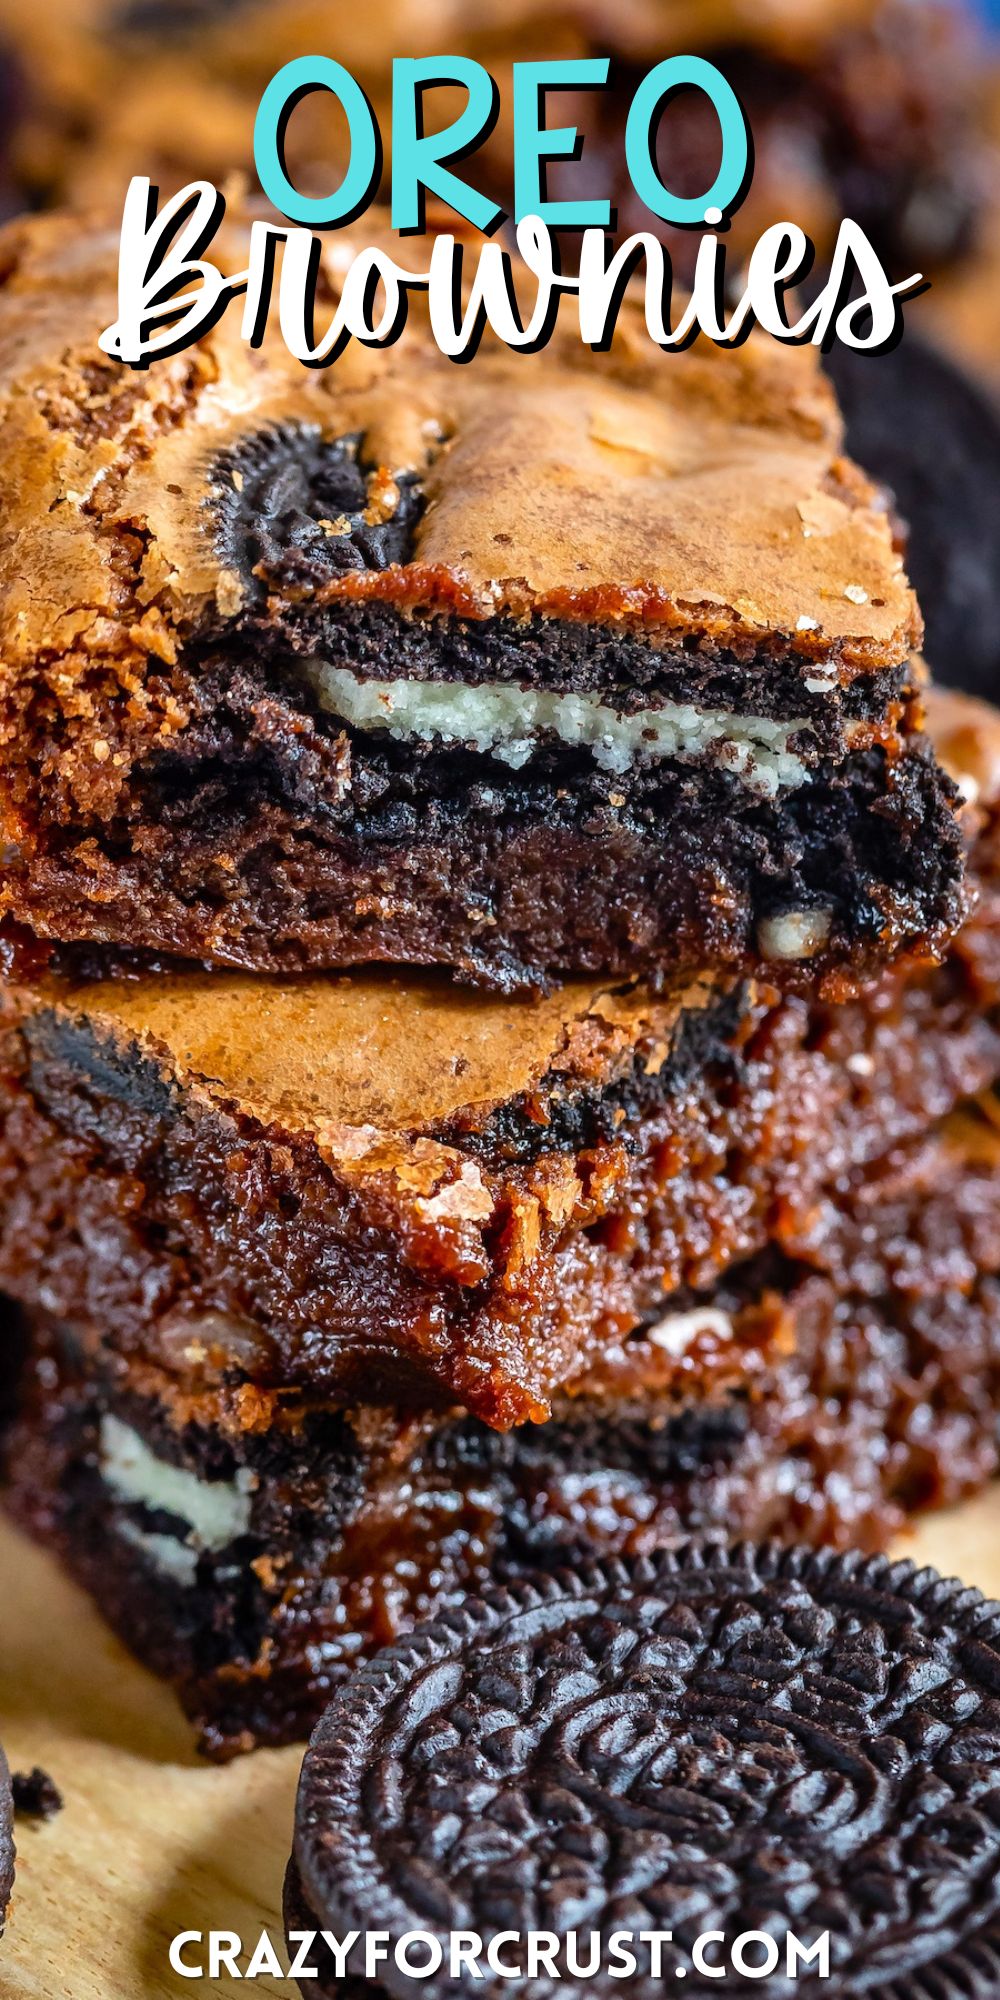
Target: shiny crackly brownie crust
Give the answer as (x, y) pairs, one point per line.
(826, 1398)
(397, 1190)
(216, 568)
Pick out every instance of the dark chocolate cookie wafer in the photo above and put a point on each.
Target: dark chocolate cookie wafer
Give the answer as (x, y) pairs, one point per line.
(6, 1840)
(754, 1741)
(932, 436)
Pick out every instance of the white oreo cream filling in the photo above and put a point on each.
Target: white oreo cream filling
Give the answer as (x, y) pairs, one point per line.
(163, 1552)
(215, 1511)
(508, 722)
(676, 1332)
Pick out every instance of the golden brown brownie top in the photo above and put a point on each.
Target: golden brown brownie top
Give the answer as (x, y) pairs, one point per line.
(372, 1066)
(701, 492)
(386, 1079)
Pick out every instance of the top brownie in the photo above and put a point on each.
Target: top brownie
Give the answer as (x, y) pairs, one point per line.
(570, 663)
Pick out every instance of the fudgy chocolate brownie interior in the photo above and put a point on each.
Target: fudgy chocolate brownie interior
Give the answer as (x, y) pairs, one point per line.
(250, 1544)
(388, 1188)
(602, 666)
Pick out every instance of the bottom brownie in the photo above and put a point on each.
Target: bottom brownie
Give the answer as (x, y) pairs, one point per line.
(249, 1544)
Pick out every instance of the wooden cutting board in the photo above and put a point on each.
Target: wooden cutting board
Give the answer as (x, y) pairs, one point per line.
(152, 1841)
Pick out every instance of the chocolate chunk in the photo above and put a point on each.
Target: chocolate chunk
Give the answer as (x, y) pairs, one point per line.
(36, 1795)
(752, 1740)
(296, 508)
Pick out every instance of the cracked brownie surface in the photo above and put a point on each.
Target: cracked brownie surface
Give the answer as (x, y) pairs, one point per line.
(601, 667)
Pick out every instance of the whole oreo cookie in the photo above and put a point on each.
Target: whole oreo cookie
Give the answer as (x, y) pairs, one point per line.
(925, 431)
(759, 1740)
(6, 1840)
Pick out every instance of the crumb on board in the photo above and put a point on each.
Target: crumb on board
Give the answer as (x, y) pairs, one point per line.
(36, 1795)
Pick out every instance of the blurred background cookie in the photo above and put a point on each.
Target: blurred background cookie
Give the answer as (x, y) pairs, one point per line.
(860, 107)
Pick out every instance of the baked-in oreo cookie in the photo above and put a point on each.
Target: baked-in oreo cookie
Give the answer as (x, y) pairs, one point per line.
(747, 1741)
(931, 434)
(602, 666)
(6, 1840)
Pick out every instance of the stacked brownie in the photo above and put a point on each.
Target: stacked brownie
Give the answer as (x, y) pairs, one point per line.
(588, 682)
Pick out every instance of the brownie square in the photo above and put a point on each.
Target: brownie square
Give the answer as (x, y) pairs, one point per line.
(252, 1544)
(384, 1188)
(600, 667)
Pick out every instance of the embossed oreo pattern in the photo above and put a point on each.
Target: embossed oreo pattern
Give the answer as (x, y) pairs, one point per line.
(295, 508)
(756, 1740)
